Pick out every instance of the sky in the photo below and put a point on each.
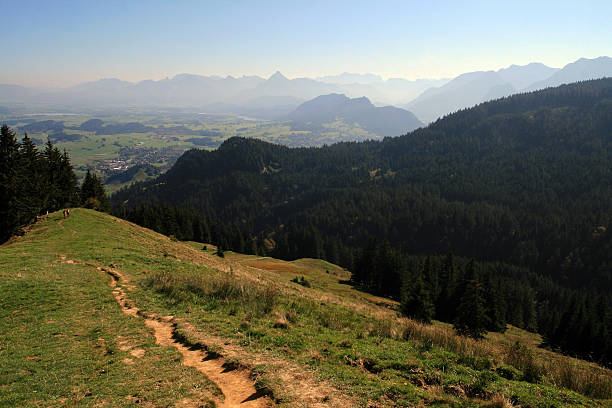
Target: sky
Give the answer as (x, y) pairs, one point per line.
(61, 43)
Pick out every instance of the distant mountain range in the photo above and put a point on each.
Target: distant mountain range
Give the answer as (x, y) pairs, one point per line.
(384, 121)
(473, 88)
(277, 96)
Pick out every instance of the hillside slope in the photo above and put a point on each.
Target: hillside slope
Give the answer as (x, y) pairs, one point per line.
(529, 172)
(66, 341)
(472, 88)
(384, 121)
(522, 180)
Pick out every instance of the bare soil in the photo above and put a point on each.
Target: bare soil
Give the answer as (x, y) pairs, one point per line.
(237, 388)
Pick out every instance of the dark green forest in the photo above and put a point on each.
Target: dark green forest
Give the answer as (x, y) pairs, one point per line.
(34, 182)
(522, 185)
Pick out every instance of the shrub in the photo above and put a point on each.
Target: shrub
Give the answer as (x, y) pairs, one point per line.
(381, 328)
(521, 357)
(301, 281)
(509, 372)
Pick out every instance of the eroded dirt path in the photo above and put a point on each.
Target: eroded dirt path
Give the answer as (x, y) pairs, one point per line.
(236, 386)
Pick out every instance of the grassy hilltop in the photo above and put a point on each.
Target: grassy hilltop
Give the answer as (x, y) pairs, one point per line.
(305, 338)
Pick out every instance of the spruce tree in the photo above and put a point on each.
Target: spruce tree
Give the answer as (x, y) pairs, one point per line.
(31, 182)
(93, 194)
(416, 299)
(495, 304)
(447, 301)
(472, 319)
(54, 170)
(8, 182)
(67, 183)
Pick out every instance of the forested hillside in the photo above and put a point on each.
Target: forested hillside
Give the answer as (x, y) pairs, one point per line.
(33, 183)
(523, 182)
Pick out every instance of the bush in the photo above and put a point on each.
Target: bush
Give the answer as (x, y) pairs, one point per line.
(301, 281)
(521, 357)
(509, 372)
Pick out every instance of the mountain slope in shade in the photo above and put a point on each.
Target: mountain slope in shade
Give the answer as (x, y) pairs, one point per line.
(581, 70)
(384, 121)
(519, 77)
(475, 87)
(465, 90)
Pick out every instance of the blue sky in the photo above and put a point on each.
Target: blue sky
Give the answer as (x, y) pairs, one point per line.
(60, 43)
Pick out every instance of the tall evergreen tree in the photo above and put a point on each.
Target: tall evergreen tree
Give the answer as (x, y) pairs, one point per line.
(30, 182)
(495, 304)
(93, 194)
(446, 303)
(8, 182)
(67, 184)
(416, 299)
(472, 319)
(30, 200)
(54, 174)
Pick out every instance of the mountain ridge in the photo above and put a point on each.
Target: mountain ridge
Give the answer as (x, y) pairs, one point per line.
(384, 121)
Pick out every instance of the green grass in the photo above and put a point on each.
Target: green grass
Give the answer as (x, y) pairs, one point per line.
(62, 335)
(330, 331)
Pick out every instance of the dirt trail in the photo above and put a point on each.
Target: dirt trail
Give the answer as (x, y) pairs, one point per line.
(236, 386)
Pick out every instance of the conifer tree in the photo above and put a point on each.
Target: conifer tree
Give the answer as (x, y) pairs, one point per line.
(31, 181)
(495, 304)
(54, 169)
(416, 299)
(67, 183)
(447, 303)
(8, 181)
(93, 194)
(472, 319)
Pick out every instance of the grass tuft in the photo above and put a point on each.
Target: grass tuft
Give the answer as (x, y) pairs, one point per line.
(257, 299)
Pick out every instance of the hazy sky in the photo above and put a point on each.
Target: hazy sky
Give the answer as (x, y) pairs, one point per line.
(59, 43)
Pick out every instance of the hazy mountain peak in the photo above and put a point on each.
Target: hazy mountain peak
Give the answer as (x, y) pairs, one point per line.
(385, 121)
(579, 70)
(103, 83)
(360, 102)
(277, 76)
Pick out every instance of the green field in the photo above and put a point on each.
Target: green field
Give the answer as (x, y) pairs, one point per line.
(65, 342)
(169, 137)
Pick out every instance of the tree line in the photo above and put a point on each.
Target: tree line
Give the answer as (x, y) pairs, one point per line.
(34, 182)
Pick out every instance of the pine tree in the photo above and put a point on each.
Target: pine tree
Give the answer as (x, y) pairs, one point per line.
(54, 169)
(31, 182)
(67, 183)
(472, 319)
(447, 302)
(93, 194)
(416, 299)
(495, 304)
(8, 182)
